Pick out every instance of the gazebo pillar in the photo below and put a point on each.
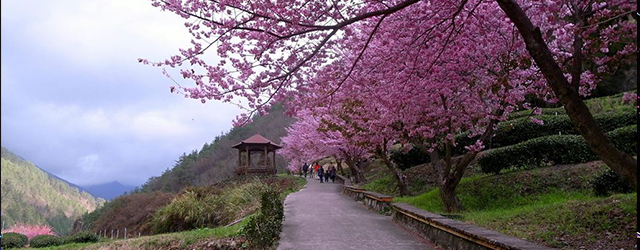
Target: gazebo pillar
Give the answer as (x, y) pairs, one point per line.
(274, 160)
(265, 157)
(246, 171)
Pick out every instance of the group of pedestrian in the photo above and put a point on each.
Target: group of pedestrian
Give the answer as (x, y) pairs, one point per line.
(318, 172)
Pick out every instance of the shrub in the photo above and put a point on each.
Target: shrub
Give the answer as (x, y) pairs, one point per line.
(263, 230)
(609, 182)
(133, 212)
(45, 241)
(204, 207)
(13, 240)
(558, 149)
(414, 157)
(82, 237)
(519, 130)
(545, 111)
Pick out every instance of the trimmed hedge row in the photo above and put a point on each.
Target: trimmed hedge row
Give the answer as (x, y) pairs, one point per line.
(522, 129)
(13, 240)
(81, 237)
(557, 149)
(45, 241)
(519, 130)
(545, 111)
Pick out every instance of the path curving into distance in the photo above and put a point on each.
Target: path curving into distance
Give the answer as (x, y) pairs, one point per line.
(320, 217)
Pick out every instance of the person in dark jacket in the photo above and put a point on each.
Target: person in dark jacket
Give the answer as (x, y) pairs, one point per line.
(321, 173)
(305, 168)
(332, 173)
(327, 175)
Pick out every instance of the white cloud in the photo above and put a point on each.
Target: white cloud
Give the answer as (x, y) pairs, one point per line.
(97, 33)
(81, 106)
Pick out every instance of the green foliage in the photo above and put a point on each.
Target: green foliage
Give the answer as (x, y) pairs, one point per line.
(264, 229)
(82, 237)
(515, 189)
(606, 104)
(128, 211)
(32, 196)
(557, 149)
(521, 129)
(13, 240)
(384, 185)
(45, 241)
(206, 207)
(610, 182)
(414, 157)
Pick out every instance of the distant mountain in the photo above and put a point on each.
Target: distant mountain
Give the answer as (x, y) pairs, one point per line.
(108, 191)
(33, 196)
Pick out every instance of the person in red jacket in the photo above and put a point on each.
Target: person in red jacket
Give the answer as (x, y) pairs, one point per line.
(315, 169)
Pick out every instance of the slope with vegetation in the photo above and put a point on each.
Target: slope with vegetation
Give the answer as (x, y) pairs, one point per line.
(31, 196)
(521, 188)
(233, 215)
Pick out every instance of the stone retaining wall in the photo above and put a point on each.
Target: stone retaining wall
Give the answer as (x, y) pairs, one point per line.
(452, 234)
(443, 231)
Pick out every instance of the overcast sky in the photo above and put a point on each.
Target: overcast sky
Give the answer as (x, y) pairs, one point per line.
(76, 102)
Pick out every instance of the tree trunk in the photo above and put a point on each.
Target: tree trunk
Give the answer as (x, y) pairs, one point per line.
(395, 171)
(339, 166)
(579, 113)
(449, 198)
(358, 176)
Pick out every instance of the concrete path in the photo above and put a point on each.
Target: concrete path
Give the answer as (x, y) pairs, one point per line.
(320, 217)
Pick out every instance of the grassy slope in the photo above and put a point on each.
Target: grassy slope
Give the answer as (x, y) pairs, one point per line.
(552, 206)
(181, 240)
(193, 239)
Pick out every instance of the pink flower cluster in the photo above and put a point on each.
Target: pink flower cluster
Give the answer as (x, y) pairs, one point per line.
(629, 98)
(30, 230)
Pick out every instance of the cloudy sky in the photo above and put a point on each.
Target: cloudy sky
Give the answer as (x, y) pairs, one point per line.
(76, 102)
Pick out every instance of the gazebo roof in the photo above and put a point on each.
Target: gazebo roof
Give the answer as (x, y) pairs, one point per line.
(256, 140)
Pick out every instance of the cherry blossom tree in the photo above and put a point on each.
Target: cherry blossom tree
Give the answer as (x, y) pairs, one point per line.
(272, 50)
(306, 140)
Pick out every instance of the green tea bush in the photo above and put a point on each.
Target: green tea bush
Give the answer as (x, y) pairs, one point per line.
(556, 149)
(522, 129)
(45, 241)
(609, 182)
(82, 237)
(414, 157)
(263, 230)
(13, 240)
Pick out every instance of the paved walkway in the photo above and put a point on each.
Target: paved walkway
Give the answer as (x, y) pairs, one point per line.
(320, 217)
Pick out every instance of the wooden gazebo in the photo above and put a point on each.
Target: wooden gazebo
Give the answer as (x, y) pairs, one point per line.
(256, 143)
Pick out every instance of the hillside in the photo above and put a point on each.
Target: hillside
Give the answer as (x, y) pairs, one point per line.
(216, 161)
(32, 196)
(108, 191)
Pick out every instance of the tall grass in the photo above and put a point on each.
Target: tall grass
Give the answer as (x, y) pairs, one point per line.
(199, 207)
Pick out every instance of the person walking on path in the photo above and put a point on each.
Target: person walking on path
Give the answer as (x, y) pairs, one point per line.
(320, 173)
(315, 170)
(326, 176)
(305, 168)
(332, 173)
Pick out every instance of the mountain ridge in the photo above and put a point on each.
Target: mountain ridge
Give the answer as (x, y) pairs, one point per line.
(31, 195)
(109, 190)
